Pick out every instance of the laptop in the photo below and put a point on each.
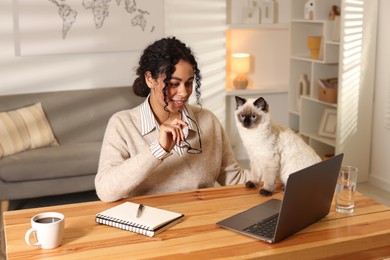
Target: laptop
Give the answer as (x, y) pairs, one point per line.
(307, 198)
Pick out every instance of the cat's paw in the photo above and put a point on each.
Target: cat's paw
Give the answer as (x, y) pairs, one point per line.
(265, 193)
(250, 185)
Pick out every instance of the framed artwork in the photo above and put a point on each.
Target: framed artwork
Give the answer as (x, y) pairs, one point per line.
(251, 15)
(255, 3)
(85, 26)
(267, 11)
(328, 124)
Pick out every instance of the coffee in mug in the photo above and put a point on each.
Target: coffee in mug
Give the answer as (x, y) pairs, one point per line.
(47, 220)
(48, 228)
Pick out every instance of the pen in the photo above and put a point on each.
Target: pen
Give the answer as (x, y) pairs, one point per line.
(140, 210)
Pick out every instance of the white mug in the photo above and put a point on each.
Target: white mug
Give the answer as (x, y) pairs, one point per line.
(48, 228)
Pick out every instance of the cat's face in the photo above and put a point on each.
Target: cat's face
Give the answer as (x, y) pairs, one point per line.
(250, 113)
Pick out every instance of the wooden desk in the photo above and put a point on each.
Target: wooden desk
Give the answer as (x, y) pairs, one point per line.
(364, 234)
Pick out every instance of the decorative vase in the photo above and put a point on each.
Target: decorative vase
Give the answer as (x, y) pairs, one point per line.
(314, 45)
(302, 90)
(336, 29)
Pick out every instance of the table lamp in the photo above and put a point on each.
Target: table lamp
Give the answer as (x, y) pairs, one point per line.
(240, 65)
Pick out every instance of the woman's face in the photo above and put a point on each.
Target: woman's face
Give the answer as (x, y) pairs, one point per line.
(179, 89)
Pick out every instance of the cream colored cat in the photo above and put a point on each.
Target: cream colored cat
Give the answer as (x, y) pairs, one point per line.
(274, 151)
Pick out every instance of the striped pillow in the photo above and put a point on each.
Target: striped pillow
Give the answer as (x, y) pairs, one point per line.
(23, 129)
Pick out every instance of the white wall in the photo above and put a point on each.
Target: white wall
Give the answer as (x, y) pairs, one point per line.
(380, 163)
(201, 24)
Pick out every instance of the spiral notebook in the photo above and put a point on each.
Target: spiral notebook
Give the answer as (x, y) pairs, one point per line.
(151, 222)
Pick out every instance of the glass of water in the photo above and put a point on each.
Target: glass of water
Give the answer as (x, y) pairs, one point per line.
(346, 189)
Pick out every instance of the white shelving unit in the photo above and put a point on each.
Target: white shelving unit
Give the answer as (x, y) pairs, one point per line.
(273, 26)
(306, 116)
(350, 61)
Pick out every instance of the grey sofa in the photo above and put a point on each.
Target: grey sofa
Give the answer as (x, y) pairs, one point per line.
(78, 119)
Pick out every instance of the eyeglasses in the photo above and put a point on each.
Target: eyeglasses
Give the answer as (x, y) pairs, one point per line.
(185, 144)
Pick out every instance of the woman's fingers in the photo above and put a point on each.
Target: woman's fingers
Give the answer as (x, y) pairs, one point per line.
(180, 123)
(171, 134)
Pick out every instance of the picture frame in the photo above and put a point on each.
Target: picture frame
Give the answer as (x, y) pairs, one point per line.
(267, 11)
(251, 15)
(328, 123)
(255, 3)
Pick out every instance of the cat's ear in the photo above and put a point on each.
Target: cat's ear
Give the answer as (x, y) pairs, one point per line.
(261, 104)
(240, 101)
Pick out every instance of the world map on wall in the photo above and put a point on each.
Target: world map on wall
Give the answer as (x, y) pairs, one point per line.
(100, 12)
(86, 26)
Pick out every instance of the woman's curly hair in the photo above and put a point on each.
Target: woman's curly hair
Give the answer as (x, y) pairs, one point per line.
(160, 58)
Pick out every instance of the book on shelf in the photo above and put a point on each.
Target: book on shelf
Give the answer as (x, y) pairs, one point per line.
(150, 221)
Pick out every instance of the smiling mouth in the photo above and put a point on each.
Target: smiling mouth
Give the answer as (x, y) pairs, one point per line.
(179, 102)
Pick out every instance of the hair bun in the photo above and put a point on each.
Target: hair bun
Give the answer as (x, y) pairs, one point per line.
(140, 88)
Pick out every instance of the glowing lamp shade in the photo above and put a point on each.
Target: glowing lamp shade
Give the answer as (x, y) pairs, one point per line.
(241, 65)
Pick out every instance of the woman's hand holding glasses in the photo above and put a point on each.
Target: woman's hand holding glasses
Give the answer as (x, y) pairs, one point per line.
(171, 134)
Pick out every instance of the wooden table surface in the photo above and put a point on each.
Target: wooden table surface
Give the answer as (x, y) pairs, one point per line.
(364, 234)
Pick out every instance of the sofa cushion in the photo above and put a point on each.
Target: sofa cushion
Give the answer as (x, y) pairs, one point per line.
(24, 128)
(51, 163)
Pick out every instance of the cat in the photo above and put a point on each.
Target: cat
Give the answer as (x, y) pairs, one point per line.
(274, 151)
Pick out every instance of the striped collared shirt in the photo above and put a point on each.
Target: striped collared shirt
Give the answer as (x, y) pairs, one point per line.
(149, 123)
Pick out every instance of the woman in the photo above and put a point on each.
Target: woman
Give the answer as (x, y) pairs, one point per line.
(165, 144)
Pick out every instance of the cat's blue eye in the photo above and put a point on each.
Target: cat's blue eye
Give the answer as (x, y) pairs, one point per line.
(242, 116)
(254, 116)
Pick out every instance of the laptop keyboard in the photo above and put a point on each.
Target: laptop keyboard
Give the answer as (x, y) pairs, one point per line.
(265, 228)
